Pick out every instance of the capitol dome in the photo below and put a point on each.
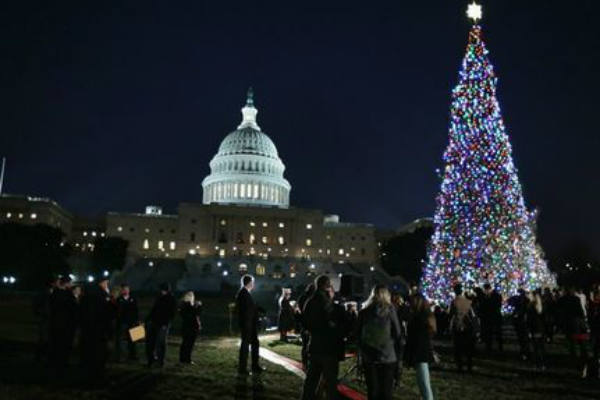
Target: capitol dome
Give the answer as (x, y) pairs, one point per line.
(247, 169)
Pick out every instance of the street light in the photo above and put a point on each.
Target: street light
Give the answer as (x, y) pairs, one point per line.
(90, 278)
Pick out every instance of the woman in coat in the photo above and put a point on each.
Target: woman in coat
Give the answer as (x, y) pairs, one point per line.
(419, 350)
(378, 332)
(536, 327)
(287, 319)
(190, 326)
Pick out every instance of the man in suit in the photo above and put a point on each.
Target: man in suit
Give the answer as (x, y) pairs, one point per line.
(96, 320)
(127, 318)
(248, 322)
(322, 320)
(159, 323)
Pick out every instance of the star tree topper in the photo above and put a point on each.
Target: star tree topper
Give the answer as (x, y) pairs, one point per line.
(474, 12)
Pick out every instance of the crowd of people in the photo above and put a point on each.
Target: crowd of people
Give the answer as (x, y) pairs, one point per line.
(392, 331)
(85, 320)
(389, 331)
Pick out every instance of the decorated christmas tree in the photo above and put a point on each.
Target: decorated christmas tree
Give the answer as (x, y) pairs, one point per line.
(483, 231)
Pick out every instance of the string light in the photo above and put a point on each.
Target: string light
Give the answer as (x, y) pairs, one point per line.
(483, 231)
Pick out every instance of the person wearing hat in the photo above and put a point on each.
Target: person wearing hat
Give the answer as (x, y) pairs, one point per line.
(159, 322)
(96, 319)
(62, 324)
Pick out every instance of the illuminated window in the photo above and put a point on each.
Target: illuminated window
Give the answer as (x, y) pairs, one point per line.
(341, 252)
(252, 238)
(281, 240)
(192, 252)
(308, 226)
(161, 245)
(252, 251)
(147, 230)
(309, 242)
(120, 229)
(243, 268)
(328, 252)
(264, 240)
(264, 224)
(223, 222)
(94, 234)
(8, 215)
(84, 233)
(260, 270)
(222, 253)
(328, 237)
(146, 244)
(172, 245)
(281, 225)
(33, 216)
(20, 216)
(252, 223)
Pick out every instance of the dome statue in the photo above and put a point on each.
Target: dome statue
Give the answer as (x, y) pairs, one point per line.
(247, 169)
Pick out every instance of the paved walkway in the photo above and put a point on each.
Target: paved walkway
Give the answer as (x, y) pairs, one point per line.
(296, 368)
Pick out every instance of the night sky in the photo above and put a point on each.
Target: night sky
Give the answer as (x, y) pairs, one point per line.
(113, 107)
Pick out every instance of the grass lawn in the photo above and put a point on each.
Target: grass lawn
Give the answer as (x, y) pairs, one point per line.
(213, 377)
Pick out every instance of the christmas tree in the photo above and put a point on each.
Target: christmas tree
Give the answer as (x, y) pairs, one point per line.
(483, 231)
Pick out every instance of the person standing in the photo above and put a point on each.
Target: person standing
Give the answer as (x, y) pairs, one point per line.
(535, 327)
(286, 314)
(576, 328)
(62, 324)
(190, 311)
(41, 310)
(323, 347)
(419, 350)
(248, 323)
(462, 325)
(96, 318)
(490, 313)
(519, 316)
(159, 323)
(310, 290)
(378, 340)
(127, 318)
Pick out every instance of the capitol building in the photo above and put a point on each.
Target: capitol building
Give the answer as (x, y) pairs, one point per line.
(244, 224)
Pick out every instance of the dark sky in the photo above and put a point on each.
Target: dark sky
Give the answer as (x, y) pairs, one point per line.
(112, 107)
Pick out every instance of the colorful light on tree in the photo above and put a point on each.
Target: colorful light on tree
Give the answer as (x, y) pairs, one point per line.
(483, 231)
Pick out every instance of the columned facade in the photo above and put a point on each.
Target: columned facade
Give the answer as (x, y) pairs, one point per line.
(247, 168)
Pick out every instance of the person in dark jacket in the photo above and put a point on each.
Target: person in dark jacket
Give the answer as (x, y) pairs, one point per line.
(127, 318)
(463, 328)
(286, 314)
(419, 350)
(190, 311)
(159, 323)
(378, 331)
(310, 290)
(248, 313)
(576, 328)
(323, 346)
(62, 324)
(519, 317)
(535, 328)
(96, 318)
(490, 313)
(41, 311)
